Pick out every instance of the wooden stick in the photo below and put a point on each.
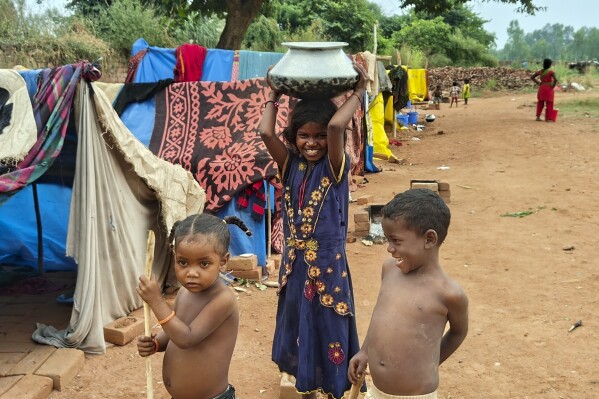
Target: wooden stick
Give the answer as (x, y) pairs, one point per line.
(147, 314)
(355, 388)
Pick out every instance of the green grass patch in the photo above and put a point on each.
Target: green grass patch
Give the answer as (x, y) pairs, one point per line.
(521, 214)
(588, 107)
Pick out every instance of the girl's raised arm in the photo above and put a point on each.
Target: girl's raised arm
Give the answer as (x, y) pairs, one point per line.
(274, 145)
(339, 121)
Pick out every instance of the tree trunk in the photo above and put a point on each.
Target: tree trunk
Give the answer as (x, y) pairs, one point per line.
(240, 14)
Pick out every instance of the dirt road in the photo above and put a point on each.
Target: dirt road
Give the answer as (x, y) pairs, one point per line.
(528, 278)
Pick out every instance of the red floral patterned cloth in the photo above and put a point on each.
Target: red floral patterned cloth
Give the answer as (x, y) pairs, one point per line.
(211, 129)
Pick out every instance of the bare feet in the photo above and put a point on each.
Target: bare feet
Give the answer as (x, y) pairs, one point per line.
(538, 119)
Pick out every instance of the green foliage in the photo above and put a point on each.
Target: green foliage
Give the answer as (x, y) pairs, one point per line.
(491, 85)
(439, 60)
(263, 35)
(314, 33)
(428, 36)
(349, 21)
(385, 46)
(9, 20)
(128, 20)
(467, 51)
(195, 28)
(439, 7)
(414, 58)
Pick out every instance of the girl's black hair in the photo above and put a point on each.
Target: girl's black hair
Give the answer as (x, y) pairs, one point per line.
(206, 224)
(305, 111)
(466, 80)
(455, 83)
(547, 63)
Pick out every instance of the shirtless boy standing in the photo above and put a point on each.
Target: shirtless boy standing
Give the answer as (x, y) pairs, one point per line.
(406, 340)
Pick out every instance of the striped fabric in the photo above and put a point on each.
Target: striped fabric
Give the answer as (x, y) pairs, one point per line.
(52, 106)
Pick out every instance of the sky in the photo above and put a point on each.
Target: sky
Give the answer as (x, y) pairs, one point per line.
(575, 13)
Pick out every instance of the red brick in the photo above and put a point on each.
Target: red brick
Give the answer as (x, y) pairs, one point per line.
(255, 274)
(124, 330)
(277, 259)
(365, 199)
(361, 233)
(30, 387)
(361, 216)
(243, 262)
(443, 186)
(363, 226)
(62, 366)
(33, 360)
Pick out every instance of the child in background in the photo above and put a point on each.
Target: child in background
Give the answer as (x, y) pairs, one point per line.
(199, 335)
(454, 93)
(406, 342)
(466, 91)
(316, 332)
(437, 95)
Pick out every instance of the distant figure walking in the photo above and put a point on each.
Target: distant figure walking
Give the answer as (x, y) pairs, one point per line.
(546, 83)
(454, 93)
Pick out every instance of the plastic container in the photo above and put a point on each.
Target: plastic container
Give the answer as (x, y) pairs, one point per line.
(412, 117)
(402, 119)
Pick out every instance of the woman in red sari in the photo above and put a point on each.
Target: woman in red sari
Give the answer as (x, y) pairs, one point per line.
(546, 82)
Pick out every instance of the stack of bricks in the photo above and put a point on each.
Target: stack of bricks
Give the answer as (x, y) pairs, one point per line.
(361, 222)
(439, 187)
(362, 216)
(245, 266)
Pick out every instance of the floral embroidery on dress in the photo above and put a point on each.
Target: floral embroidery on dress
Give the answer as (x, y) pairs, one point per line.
(338, 256)
(302, 166)
(336, 354)
(310, 255)
(308, 212)
(320, 286)
(316, 196)
(327, 300)
(306, 229)
(325, 181)
(337, 290)
(341, 308)
(309, 290)
(329, 270)
(313, 272)
(344, 274)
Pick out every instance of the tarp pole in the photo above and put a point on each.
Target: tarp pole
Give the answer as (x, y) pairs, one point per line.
(40, 238)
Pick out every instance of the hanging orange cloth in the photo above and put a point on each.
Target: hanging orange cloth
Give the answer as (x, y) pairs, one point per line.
(190, 61)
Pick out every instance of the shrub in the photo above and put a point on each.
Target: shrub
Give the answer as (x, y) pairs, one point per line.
(128, 20)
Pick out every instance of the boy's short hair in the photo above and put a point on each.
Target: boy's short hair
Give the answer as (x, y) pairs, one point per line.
(420, 210)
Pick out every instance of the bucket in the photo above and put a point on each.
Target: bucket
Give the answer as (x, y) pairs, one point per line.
(413, 117)
(553, 116)
(402, 119)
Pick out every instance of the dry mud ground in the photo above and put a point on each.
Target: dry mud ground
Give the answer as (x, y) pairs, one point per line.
(525, 289)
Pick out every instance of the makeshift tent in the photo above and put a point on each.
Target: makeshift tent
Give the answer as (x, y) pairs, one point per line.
(120, 191)
(156, 64)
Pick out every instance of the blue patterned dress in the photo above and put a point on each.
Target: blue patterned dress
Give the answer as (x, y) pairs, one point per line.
(315, 335)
